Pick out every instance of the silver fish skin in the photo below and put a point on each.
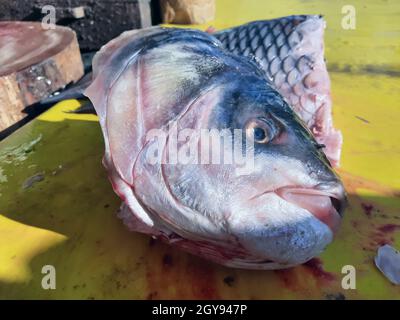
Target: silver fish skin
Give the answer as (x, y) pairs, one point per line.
(291, 52)
(282, 213)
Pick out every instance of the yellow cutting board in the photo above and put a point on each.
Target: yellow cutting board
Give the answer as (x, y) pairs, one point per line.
(57, 207)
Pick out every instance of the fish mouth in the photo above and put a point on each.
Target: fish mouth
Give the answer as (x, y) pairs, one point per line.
(326, 201)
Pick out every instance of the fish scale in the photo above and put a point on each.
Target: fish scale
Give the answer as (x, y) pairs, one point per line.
(290, 51)
(270, 42)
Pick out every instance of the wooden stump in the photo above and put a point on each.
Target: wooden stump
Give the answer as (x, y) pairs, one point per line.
(188, 11)
(95, 21)
(34, 62)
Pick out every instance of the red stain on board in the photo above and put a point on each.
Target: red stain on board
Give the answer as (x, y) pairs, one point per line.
(382, 235)
(293, 279)
(372, 234)
(177, 275)
(167, 260)
(229, 281)
(288, 278)
(152, 242)
(202, 280)
(355, 224)
(152, 296)
(389, 228)
(367, 208)
(315, 267)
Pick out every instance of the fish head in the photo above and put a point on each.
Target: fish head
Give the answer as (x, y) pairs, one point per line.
(280, 201)
(286, 208)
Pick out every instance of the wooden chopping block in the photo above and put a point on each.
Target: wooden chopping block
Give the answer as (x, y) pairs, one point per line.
(95, 21)
(34, 62)
(188, 11)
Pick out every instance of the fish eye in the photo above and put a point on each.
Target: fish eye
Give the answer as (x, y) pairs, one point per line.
(259, 134)
(261, 130)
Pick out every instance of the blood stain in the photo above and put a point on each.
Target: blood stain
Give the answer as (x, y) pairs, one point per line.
(288, 277)
(167, 260)
(367, 208)
(229, 281)
(315, 266)
(388, 228)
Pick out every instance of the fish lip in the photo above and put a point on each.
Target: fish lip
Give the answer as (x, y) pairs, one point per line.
(334, 191)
